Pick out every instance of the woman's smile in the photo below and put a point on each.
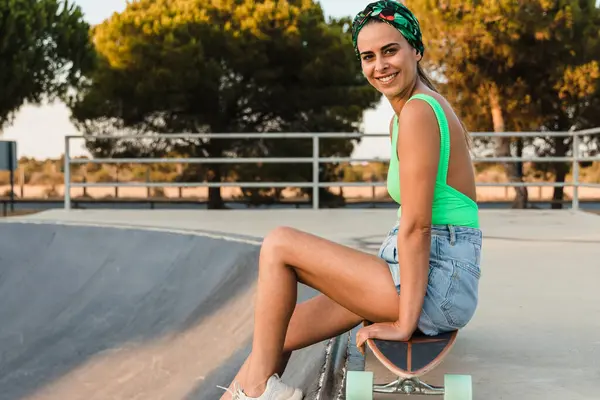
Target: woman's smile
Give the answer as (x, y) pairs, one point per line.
(387, 78)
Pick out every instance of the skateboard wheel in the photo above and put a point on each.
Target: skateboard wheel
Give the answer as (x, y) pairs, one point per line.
(458, 387)
(359, 385)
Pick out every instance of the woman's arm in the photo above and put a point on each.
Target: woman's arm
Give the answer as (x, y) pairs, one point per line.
(418, 154)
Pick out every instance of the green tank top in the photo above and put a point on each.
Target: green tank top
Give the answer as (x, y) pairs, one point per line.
(450, 207)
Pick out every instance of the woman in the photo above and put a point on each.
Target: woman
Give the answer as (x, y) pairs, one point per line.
(435, 247)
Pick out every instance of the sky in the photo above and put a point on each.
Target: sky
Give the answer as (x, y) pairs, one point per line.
(40, 130)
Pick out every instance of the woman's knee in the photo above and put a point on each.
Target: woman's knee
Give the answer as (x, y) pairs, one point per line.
(278, 237)
(277, 240)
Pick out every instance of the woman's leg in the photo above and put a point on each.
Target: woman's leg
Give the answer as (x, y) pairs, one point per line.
(359, 282)
(313, 321)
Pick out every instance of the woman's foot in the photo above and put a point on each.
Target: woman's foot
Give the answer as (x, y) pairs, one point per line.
(276, 390)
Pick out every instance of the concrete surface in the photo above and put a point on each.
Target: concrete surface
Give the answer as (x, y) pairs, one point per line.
(535, 335)
(104, 313)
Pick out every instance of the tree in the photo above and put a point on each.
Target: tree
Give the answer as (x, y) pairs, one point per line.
(178, 66)
(571, 100)
(44, 51)
(514, 66)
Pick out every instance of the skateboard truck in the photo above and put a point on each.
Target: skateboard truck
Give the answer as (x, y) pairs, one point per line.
(360, 386)
(408, 386)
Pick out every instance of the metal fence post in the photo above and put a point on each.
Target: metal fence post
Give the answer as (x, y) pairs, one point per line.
(315, 180)
(575, 201)
(67, 175)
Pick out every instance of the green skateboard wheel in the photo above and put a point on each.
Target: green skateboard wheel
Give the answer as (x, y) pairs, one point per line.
(359, 385)
(458, 387)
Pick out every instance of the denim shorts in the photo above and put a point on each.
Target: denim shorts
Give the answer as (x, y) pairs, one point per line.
(454, 271)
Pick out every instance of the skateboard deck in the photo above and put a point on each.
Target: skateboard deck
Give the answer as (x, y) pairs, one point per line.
(409, 360)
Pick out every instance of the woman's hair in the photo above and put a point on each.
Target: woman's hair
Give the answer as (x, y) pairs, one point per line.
(427, 81)
(425, 78)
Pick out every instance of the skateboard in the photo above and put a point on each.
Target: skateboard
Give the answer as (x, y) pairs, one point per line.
(409, 360)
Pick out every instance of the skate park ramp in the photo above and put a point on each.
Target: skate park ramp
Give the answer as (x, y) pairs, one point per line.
(92, 312)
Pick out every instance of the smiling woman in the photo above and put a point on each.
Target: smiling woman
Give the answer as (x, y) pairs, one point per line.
(438, 184)
(435, 248)
(438, 206)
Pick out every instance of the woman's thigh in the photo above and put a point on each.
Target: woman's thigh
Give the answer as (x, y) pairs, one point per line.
(357, 281)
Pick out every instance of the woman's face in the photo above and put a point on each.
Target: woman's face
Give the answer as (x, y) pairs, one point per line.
(388, 61)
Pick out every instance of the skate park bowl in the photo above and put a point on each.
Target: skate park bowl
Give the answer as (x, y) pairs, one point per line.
(159, 304)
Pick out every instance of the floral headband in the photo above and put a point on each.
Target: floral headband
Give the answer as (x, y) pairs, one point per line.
(396, 15)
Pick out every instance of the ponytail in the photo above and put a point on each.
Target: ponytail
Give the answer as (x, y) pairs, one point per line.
(427, 81)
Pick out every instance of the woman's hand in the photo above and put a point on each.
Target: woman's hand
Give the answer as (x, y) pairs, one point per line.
(382, 330)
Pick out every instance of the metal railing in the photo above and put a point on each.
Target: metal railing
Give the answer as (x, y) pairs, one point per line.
(316, 160)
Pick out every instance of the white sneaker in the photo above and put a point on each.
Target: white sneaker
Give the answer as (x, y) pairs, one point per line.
(276, 390)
